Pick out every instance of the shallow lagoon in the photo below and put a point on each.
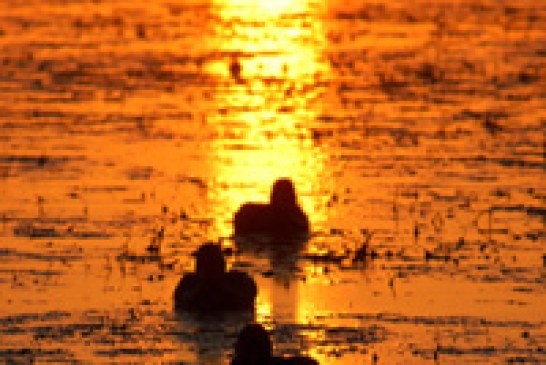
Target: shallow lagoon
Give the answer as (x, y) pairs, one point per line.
(417, 127)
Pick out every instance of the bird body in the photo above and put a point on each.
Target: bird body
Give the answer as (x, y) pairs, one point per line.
(211, 288)
(256, 218)
(282, 217)
(233, 291)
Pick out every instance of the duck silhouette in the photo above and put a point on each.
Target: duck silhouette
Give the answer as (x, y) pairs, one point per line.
(253, 347)
(282, 217)
(211, 288)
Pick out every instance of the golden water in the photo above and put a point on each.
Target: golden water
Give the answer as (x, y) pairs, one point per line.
(419, 124)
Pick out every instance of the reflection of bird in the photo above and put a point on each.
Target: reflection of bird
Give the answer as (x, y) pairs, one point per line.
(253, 347)
(211, 288)
(235, 69)
(281, 218)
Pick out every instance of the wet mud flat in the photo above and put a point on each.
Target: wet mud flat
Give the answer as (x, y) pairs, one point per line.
(414, 132)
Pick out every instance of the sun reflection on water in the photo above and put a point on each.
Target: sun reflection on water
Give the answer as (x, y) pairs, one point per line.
(263, 123)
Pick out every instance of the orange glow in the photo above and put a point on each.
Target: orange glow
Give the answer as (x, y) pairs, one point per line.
(253, 10)
(132, 130)
(269, 110)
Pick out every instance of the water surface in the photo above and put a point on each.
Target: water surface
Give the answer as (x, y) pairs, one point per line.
(415, 126)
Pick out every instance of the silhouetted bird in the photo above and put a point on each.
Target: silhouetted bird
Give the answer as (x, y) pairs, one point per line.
(281, 218)
(253, 347)
(211, 289)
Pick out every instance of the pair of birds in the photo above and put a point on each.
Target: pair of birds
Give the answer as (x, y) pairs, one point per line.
(212, 289)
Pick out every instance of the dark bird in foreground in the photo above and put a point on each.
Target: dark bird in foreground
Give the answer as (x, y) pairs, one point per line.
(212, 289)
(282, 217)
(253, 347)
